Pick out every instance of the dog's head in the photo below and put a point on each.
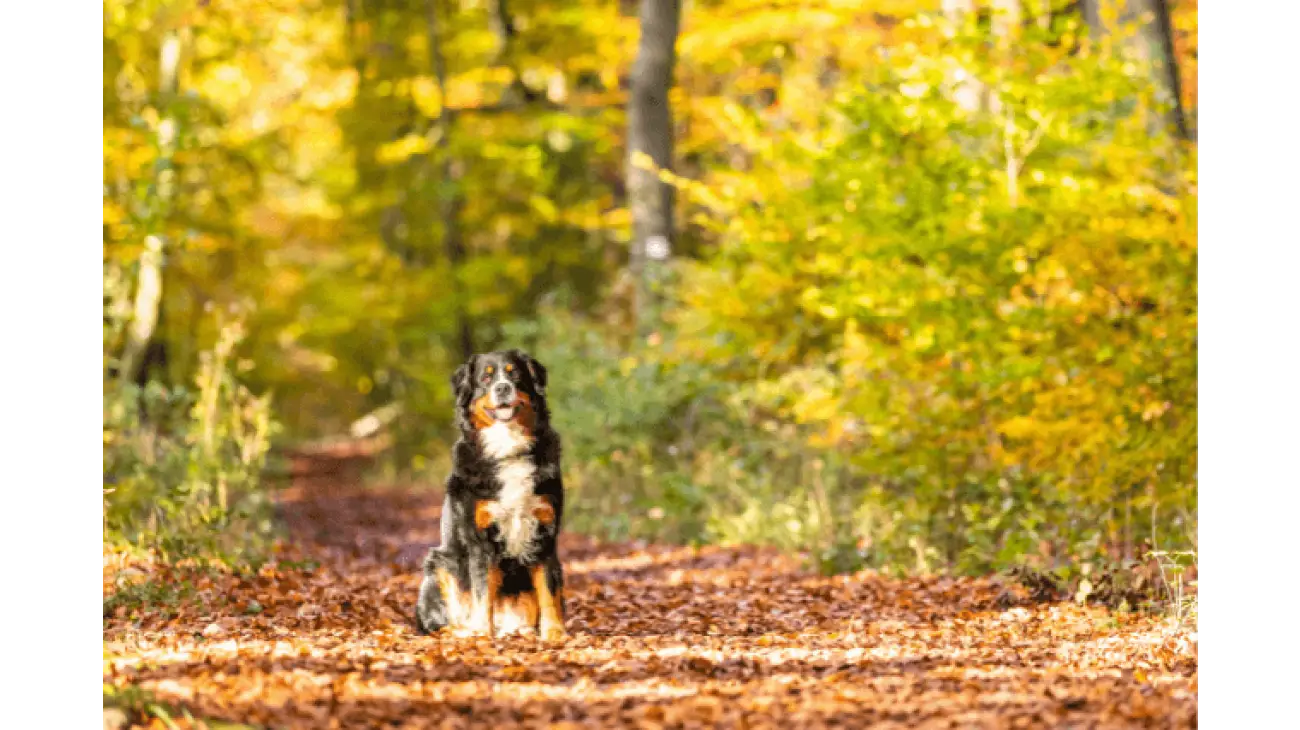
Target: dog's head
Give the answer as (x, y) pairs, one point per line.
(505, 388)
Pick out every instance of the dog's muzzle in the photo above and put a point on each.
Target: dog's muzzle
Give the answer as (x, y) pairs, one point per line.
(503, 400)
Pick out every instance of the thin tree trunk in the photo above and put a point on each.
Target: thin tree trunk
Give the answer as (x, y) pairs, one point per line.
(1164, 30)
(650, 148)
(1149, 46)
(1091, 12)
(503, 27)
(149, 283)
(1005, 24)
(1155, 44)
(451, 199)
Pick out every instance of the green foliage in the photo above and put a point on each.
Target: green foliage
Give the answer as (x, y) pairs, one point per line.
(150, 595)
(929, 338)
(1181, 587)
(182, 466)
(990, 314)
(623, 416)
(132, 705)
(308, 180)
(663, 450)
(933, 308)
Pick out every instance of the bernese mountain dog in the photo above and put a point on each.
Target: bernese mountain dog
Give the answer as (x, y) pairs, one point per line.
(497, 571)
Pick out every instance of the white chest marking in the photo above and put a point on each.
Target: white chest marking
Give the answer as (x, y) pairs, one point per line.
(512, 511)
(503, 440)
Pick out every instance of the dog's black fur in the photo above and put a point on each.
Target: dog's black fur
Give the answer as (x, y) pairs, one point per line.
(469, 551)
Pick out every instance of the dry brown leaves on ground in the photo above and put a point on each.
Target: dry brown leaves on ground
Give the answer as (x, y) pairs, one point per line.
(660, 637)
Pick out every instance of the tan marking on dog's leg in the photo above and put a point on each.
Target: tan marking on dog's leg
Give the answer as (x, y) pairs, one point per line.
(455, 600)
(543, 510)
(516, 614)
(551, 623)
(483, 513)
(480, 620)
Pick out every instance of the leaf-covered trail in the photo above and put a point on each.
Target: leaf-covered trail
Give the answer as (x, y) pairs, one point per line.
(660, 637)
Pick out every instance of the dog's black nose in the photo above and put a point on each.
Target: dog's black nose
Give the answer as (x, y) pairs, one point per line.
(503, 391)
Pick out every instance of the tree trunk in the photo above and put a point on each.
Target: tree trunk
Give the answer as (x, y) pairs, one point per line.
(1091, 12)
(1005, 24)
(650, 149)
(1154, 43)
(451, 198)
(503, 27)
(1164, 32)
(149, 282)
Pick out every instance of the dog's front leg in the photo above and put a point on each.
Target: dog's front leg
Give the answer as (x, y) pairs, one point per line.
(548, 583)
(484, 582)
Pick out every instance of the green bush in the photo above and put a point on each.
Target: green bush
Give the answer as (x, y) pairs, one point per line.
(622, 416)
(929, 337)
(659, 449)
(182, 466)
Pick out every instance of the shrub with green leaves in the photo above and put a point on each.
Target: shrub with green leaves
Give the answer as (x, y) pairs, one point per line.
(989, 312)
(622, 416)
(183, 466)
(662, 449)
(931, 335)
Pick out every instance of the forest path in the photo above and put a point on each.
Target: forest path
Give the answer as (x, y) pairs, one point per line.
(660, 636)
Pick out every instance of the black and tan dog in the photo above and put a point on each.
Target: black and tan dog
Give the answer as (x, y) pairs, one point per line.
(497, 570)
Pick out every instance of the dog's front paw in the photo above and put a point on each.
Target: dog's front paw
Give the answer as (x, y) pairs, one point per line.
(553, 634)
(509, 631)
(472, 631)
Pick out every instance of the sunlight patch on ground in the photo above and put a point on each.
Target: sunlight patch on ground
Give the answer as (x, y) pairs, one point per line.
(638, 561)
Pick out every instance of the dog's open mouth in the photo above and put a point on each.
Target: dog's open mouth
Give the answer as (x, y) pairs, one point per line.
(504, 413)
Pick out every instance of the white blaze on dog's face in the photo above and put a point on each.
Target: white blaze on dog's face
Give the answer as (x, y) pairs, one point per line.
(501, 391)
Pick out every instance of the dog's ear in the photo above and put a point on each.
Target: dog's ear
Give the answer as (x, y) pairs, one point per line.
(460, 381)
(537, 370)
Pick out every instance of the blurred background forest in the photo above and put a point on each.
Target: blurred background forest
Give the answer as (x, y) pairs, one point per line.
(895, 283)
